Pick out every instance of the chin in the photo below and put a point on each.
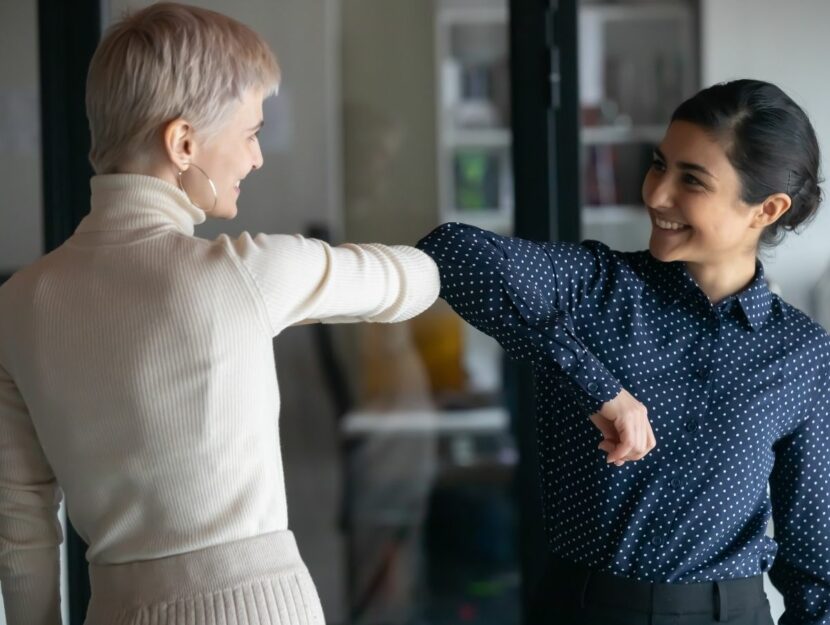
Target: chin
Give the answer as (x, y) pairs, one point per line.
(662, 253)
(227, 213)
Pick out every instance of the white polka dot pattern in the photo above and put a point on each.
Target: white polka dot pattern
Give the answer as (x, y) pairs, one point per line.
(737, 395)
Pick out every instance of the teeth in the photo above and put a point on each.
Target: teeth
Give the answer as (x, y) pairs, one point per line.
(669, 225)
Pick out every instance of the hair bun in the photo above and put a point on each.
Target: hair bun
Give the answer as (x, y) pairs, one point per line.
(806, 202)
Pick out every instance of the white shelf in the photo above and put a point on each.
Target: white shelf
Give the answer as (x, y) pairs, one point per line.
(601, 135)
(471, 12)
(498, 221)
(477, 138)
(628, 12)
(623, 228)
(623, 213)
(480, 421)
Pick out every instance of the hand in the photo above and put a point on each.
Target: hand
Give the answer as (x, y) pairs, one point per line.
(625, 428)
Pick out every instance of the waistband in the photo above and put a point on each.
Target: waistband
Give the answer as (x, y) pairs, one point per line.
(577, 585)
(208, 570)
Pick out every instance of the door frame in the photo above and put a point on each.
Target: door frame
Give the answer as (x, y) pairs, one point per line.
(546, 171)
(68, 34)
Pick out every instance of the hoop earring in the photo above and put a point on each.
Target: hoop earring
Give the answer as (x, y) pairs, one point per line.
(210, 182)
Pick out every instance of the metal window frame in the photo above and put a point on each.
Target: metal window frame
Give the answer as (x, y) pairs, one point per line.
(546, 169)
(67, 36)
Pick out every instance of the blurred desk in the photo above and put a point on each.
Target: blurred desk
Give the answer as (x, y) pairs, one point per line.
(429, 512)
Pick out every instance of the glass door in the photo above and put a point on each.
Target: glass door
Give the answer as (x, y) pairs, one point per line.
(21, 212)
(429, 517)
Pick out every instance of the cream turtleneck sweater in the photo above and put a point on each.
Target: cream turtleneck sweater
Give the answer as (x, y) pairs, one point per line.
(137, 375)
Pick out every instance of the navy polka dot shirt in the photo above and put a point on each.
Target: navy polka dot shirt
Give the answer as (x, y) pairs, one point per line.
(736, 392)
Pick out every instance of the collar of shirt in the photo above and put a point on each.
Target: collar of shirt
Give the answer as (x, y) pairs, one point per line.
(674, 283)
(133, 201)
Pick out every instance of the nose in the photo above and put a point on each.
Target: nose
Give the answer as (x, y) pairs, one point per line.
(657, 190)
(258, 159)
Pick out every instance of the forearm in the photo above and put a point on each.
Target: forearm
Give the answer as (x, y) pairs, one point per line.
(505, 287)
(301, 280)
(30, 582)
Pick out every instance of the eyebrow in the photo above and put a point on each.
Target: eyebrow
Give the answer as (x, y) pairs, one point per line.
(685, 165)
(257, 127)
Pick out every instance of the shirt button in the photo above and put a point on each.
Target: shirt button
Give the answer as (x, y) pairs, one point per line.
(657, 541)
(691, 425)
(676, 483)
(702, 373)
(592, 387)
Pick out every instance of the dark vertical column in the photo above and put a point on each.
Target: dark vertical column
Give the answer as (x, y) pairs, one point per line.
(565, 125)
(68, 34)
(545, 126)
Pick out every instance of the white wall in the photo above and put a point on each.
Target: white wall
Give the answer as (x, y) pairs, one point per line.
(21, 213)
(21, 207)
(787, 44)
(388, 70)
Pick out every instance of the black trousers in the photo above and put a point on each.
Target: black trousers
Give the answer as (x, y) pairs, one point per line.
(571, 594)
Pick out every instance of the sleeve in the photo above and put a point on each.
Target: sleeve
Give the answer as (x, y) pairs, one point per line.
(30, 532)
(800, 496)
(524, 295)
(304, 280)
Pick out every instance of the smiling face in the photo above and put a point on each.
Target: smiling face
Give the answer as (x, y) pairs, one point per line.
(693, 195)
(227, 158)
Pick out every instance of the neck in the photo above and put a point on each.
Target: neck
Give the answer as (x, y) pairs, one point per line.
(720, 280)
(163, 170)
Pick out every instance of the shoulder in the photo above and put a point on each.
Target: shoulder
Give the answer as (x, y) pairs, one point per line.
(26, 279)
(801, 325)
(260, 247)
(803, 343)
(634, 265)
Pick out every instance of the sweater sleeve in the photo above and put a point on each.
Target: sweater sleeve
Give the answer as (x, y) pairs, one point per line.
(523, 294)
(302, 280)
(30, 533)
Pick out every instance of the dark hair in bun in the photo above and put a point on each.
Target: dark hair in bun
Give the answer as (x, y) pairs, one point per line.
(770, 142)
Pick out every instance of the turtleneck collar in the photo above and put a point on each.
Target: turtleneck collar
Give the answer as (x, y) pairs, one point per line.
(134, 201)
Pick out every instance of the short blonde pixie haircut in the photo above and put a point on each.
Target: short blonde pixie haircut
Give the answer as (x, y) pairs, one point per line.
(164, 62)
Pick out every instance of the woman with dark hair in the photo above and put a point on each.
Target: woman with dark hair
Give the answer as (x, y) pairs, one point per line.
(699, 384)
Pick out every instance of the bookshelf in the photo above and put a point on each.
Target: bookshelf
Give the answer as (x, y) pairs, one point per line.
(638, 60)
(475, 180)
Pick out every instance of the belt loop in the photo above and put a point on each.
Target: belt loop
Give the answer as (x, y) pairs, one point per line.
(722, 602)
(584, 589)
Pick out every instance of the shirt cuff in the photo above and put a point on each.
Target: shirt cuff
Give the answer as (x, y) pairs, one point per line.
(596, 382)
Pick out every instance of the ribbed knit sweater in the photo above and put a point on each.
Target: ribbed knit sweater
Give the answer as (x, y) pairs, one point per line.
(137, 376)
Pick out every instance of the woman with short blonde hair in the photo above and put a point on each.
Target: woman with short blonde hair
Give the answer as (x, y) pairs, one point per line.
(166, 62)
(136, 363)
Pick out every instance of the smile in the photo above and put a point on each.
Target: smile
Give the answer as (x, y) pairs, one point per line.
(664, 224)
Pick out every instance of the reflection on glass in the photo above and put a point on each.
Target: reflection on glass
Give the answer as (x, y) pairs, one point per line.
(428, 458)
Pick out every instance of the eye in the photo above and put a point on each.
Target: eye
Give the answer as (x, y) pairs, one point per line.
(254, 137)
(691, 180)
(658, 165)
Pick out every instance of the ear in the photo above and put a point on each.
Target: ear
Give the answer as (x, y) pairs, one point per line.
(178, 143)
(771, 210)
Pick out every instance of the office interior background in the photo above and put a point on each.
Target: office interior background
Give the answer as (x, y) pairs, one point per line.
(404, 457)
